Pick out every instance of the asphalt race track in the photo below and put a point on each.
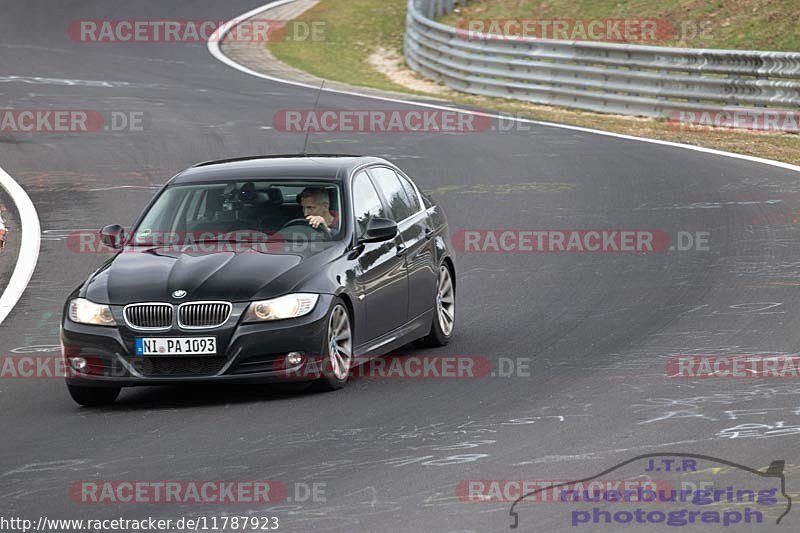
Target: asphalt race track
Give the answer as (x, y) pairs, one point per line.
(596, 329)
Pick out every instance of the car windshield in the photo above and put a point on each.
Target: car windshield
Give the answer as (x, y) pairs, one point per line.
(254, 210)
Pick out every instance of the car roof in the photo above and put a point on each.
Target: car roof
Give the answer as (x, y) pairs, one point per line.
(324, 167)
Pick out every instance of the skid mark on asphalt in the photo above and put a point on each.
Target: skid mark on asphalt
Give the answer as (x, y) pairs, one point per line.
(66, 464)
(601, 453)
(68, 180)
(63, 81)
(724, 407)
(706, 205)
(63, 234)
(101, 84)
(503, 188)
(435, 445)
(760, 431)
(119, 187)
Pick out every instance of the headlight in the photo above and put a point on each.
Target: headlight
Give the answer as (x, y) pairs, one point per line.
(83, 311)
(289, 306)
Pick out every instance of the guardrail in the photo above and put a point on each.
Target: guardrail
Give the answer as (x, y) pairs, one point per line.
(627, 79)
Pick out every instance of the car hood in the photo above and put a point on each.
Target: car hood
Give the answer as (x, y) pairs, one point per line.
(152, 274)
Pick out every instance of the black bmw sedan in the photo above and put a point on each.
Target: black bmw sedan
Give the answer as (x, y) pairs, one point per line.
(263, 269)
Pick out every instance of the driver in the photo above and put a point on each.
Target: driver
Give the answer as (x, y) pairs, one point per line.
(316, 209)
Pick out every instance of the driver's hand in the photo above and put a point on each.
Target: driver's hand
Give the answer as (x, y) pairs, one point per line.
(317, 221)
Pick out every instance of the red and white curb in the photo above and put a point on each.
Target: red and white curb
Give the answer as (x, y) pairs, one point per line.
(30, 236)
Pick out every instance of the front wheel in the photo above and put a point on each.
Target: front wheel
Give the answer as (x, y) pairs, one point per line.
(445, 310)
(93, 396)
(338, 350)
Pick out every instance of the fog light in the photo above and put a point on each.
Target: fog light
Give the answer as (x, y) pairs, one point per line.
(78, 363)
(294, 358)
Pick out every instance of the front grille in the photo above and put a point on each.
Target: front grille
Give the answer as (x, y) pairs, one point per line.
(203, 315)
(160, 366)
(149, 317)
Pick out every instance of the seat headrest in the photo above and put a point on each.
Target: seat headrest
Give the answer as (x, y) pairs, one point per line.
(275, 196)
(248, 192)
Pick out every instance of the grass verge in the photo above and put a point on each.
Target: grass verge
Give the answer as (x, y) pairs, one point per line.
(731, 24)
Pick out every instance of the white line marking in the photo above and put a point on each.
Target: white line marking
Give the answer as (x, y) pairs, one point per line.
(30, 238)
(216, 37)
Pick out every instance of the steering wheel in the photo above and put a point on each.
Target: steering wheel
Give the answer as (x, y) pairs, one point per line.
(300, 228)
(299, 221)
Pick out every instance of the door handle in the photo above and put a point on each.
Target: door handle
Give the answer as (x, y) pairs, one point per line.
(428, 233)
(401, 250)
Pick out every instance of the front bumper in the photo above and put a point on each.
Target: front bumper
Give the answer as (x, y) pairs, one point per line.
(245, 352)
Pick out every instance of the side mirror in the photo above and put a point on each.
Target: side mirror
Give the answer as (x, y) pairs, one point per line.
(379, 230)
(113, 236)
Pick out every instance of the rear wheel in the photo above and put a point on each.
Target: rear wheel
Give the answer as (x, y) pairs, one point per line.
(93, 396)
(444, 318)
(338, 351)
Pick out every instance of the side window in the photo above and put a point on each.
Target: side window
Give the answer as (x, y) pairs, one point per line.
(366, 202)
(411, 193)
(394, 193)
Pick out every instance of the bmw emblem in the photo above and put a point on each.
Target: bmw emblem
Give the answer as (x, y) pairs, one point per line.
(179, 294)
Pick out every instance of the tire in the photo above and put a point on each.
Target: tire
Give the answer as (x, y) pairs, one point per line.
(337, 349)
(93, 396)
(444, 317)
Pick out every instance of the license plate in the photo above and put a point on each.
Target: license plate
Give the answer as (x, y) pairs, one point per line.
(176, 346)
